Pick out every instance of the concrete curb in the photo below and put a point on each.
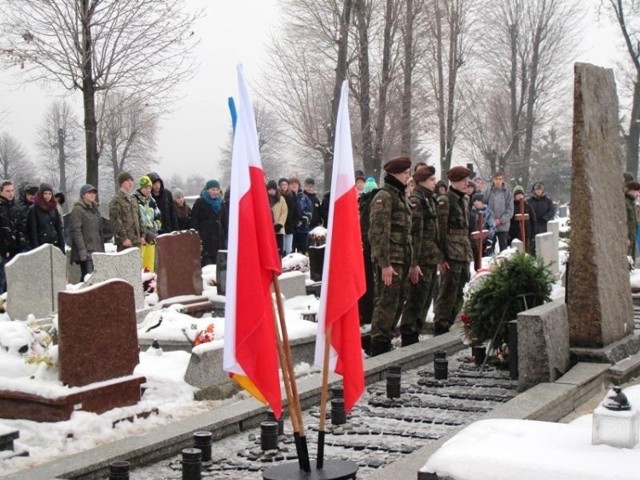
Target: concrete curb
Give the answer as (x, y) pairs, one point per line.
(166, 441)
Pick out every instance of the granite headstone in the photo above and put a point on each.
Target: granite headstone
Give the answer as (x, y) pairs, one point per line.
(97, 331)
(178, 264)
(34, 279)
(126, 265)
(547, 249)
(221, 272)
(292, 284)
(598, 296)
(316, 262)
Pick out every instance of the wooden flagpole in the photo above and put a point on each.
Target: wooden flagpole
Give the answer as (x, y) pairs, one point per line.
(294, 401)
(323, 398)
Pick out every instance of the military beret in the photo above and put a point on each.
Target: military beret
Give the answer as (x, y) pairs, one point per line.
(397, 165)
(458, 173)
(423, 172)
(633, 186)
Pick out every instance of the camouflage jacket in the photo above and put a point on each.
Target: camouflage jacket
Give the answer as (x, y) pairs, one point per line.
(453, 219)
(390, 225)
(124, 218)
(425, 230)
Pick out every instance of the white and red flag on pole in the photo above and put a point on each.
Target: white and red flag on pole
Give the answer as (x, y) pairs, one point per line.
(343, 281)
(250, 343)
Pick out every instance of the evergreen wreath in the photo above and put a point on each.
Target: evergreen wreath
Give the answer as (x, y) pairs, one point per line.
(502, 294)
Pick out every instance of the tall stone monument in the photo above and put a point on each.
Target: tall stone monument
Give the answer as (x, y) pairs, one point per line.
(599, 297)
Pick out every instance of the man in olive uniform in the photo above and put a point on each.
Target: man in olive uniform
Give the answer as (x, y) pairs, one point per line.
(426, 254)
(453, 220)
(390, 239)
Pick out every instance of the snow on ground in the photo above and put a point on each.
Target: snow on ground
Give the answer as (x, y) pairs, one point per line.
(533, 450)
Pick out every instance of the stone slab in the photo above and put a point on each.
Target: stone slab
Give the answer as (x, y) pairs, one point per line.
(34, 279)
(598, 294)
(293, 284)
(221, 272)
(97, 398)
(547, 250)
(178, 264)
(126, 265)
(543, 344)
(612, 353)
(97, 328)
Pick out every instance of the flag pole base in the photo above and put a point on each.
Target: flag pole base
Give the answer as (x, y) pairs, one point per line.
(332, 470)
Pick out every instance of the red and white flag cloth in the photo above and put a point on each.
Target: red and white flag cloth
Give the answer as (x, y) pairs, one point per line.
(250, 344)
(343, 281)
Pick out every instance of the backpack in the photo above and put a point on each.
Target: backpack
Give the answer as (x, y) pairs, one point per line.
(364, 204)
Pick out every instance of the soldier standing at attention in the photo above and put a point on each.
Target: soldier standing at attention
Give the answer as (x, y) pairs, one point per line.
(426, 254)
(453, 219)
(390, 238)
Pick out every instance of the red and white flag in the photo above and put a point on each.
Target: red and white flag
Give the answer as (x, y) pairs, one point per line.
(343, 281)
(250, 344)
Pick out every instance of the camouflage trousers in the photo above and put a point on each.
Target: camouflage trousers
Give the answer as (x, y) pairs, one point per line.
(388, 303)
(418, 301)
(450, 296)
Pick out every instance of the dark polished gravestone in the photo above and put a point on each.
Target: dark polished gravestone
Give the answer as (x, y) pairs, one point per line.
(178, 264)
(316, 262)
(98, 351)
(598, 293)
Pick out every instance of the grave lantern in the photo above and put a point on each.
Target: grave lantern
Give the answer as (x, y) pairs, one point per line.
(615, 421)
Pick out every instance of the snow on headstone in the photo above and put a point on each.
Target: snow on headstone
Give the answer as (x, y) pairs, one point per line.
(599, 297)
(34, 279)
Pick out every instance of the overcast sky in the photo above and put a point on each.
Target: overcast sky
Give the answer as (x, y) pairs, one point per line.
(191, 137)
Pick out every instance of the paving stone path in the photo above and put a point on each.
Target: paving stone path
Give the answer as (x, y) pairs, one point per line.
(378, 432)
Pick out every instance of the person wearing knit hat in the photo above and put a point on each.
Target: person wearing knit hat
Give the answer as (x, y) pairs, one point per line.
(426, 254)
(480, 183)
(389, 234)
(500, 200)
(370, 185)
(44, 222)
(488, 223)
(123, 177)
(521, 206)
(292, 212)
(183, 210)
(85, 229)
(279, 212)
(144, 182)
(543, 207)
(209, 218)
(360, 181)
(453, 223)
(124, 215)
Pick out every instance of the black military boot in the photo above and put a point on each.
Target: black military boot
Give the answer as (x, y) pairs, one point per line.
(378, 348)
(409, 339)
(440, 329)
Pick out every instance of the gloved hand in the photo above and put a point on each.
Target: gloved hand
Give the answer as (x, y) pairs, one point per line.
(277, 227)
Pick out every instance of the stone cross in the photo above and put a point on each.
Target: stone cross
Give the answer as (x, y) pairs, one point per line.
(598, 293)
(479, 235)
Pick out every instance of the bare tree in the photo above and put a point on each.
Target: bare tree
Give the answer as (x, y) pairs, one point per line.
(626, 14)
(59, 142)
(137, 46)
(128, 134)
(525, 45)
(14, 164)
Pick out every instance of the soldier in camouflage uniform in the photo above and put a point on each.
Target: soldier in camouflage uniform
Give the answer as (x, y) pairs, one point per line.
(390, 239)
(426, 254)
(453, 218)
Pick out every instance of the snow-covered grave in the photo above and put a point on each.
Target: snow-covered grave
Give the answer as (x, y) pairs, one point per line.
(534, 450)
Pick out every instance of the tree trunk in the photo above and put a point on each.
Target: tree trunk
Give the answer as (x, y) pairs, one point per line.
(405, 122)
(632, 140)
(89, 96)
(62, 162)
(365, 91)
(341, 75)
(442, 128)
(454, 64)
(385, 79)
(532, 94)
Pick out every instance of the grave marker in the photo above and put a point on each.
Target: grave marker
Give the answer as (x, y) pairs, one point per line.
(126, 265)
(178, 264)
